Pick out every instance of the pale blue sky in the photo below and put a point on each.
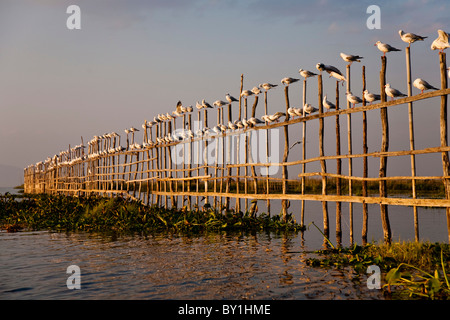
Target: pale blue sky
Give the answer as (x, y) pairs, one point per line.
(134, 59)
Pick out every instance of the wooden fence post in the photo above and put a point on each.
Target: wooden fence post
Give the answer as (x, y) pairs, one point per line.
(384, 148)
(411, 140)
(443, 133)
(323, 164)
(338, 171)
(350, 161)
(365, 224)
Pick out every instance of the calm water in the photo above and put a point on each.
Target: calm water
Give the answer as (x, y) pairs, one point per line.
(214, 266)
(33, 266)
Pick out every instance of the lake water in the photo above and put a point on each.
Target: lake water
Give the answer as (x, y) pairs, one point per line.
(213, 266)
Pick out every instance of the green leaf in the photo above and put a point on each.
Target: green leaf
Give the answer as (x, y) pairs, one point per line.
(393, 276)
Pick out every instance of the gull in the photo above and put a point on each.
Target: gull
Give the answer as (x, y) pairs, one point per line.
(392, 92)
(156, 120)
(384, 47)
(423, 85)
(371, 97)
(410, 37)
(222, 127)
(179, 106)
(328, 104)
(205, 104)
(267, 86)
(176, 114)
(133, 130)
(230, 98)
(288, 80)
(231, 125)
(189, 109)
(207, 131)
(291, 112)
(256, 91)
(246, 93)
(441, 42)
(217, 129)
(306, 74)
(198, 105)
(333, 71)
(255, 121)
(169, 117)
(351, 58)
(353, 99)
(219, 103)
(275, 117)
(238, 124)
(309, 108)
(245, 123)
(199, 133)
(295, 112)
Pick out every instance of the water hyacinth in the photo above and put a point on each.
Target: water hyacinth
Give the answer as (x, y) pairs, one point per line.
(100, 214)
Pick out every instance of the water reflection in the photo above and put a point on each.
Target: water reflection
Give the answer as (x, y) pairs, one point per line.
(213, 266)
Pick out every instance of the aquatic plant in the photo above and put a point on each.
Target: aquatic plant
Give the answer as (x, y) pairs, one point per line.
(407, 267)
(118, 214)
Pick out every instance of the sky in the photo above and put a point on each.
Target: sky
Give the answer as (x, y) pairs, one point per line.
(134, 59)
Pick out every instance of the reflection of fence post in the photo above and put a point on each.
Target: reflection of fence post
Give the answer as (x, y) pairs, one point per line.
(443, 131)
(384, 148)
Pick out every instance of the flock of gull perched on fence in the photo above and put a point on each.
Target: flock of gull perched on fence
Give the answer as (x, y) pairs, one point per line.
(105, 144)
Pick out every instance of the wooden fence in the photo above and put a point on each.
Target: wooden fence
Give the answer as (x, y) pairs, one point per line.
(193, 163)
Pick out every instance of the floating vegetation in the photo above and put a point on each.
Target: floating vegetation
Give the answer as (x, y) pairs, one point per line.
(410, 270)
(117, 214)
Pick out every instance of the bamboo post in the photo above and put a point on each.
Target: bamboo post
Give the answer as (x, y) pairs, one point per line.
(252, 168)
(150, 166)
(365, 167)
(284, 202)
(384, 148)
(216, 169)
(222, 171)
(246, 155)
(302, 214)
(198, 144)
(205, 154)
(443, 133)
(228, 161)
(238, 200)
(267, 152)
(350, 165)
(411, 140)
(338, 171)
(158, 162)
(323, 164)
